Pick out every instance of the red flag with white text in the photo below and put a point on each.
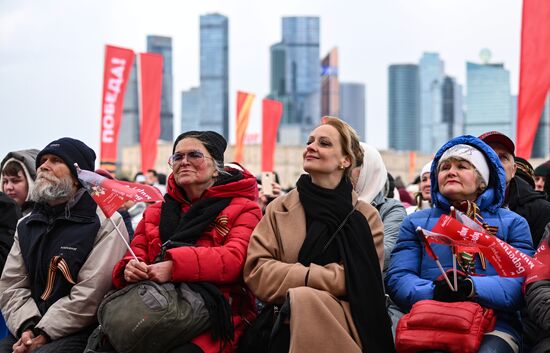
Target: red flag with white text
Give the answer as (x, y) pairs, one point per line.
(150, 92)
(117, 67)
(541, 272)
(506, 259)
(110, 194)
(272, 111)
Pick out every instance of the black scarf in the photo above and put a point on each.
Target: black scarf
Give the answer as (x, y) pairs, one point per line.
(325, 209)
(184, 229)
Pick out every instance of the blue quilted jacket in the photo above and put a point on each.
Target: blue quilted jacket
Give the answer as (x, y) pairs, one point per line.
(411, 271)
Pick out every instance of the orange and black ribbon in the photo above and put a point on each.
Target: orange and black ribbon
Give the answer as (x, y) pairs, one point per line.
(57, 263)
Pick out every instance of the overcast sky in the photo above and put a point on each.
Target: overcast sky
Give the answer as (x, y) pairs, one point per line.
(51, 52)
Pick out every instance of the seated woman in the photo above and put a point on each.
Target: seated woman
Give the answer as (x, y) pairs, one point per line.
(369, 181)
(423, 196)
(467, 174)
(211, 209)
(330, 282)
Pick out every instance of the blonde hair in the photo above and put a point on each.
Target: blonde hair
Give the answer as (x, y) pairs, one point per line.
(349, 140)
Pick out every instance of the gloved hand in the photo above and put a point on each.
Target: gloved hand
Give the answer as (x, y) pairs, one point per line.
(465, 288)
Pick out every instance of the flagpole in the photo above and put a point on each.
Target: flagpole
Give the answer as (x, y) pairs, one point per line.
(124, 240)
(453, 254)
(434, 257)
(454, 269)
(445, 275)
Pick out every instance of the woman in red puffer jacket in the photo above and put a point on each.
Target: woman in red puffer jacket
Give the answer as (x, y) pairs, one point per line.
(209, 210)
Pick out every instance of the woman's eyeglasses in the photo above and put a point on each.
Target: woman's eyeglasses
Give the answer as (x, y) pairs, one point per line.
(194, 157)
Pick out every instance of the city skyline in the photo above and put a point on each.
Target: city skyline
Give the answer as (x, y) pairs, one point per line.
(41, 61)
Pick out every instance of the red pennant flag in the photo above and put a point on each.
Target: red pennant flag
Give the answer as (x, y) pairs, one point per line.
(244, 103)
(144, 193)
(150, 92)
(507, 260)
(429, 250)
(118, 64)
(271, 116)
(534, 75)
(542, 271)
(107, 193)
(110, 194)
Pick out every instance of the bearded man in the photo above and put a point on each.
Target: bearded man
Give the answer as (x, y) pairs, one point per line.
(59, 267)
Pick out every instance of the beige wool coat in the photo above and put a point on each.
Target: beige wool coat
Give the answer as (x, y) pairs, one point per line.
(319, 321)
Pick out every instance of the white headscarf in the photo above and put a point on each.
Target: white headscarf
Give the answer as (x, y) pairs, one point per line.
(373, 175)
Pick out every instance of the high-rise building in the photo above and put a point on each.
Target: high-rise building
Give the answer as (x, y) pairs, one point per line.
(190, 109)
(488, 100)
(352, 106)
(453, 114)
(163, 45)
(330, 86)
(278, 79)
(403, 107)
(433, 130)
(214, 73)
(298, 55)
(129, 126)
(541, 145)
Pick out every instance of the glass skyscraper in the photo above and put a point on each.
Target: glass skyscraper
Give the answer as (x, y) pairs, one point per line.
(434, 132)
(330, 85)
(129, 126)
(301, 39)
(453, 114)
(295, 74)
(190, 109)
(541, 145)
(403, 107)
(163, 45)
(488, 100)
(352, 106)
(214, 74)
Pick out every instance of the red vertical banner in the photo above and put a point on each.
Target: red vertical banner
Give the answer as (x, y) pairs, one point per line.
(150, 92)
(534, 75)
(244, 103)
(272, 111)
(118, 63)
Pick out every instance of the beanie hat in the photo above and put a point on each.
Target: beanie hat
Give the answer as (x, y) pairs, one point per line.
(542, 169)
(525, 171)
(427, 168)
(212, 141)
(470, 154)
(71, 151)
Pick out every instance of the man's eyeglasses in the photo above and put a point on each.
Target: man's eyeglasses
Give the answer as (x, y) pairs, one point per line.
(193, 157)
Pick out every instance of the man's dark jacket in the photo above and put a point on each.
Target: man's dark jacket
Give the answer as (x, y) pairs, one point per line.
(531, 205)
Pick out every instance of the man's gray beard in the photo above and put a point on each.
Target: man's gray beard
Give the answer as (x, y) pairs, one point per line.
(50, 188)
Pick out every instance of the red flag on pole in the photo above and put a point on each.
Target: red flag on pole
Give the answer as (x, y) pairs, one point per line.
(534, 75)
(541, 272)
(117, 67)
(244, 103)
(272, 111)
(150, 92)
(110, 194)
(506, 259)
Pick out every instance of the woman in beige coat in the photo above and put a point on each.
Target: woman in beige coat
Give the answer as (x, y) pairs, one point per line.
(328, 282)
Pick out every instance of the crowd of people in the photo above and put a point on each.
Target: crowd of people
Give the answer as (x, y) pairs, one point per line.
(336, 259)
